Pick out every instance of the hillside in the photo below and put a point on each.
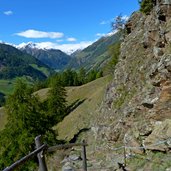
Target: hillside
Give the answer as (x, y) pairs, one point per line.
(125, 118)
(14, 63)
(83, 93)
(54, 58)
(136, 112)
(132, 125)
(94, 56)
(91, 96)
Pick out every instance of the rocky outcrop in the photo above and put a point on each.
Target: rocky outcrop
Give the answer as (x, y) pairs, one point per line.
(137, 108)
(132, 126)
(160, 138)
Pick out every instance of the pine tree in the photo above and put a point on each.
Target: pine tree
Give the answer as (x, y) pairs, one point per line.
(56, 101)
(27, 118)
(82, 76)
(146, 6)
(114, 52)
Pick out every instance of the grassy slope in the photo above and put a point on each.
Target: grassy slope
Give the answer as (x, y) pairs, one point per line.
(6, 86)
(81, 117)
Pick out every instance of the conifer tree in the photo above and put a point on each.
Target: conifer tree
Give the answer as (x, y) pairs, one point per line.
(146, 6)
(27, 118)
(56, 101)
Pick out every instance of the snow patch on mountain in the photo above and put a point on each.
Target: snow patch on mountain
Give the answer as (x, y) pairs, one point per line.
(67, 48)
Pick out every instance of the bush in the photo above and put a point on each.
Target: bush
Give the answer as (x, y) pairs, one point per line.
(146, 6)
(27, 118)
(114, 52)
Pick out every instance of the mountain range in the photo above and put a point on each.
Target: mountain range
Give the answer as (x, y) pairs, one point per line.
(54, 58)
(14, 63)
(94, 56)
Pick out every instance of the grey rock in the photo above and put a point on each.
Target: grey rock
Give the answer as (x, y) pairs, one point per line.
(68, 167)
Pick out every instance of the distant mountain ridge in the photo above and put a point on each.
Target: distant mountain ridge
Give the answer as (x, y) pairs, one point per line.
(54, 58)
(96, 55)
(14, 63)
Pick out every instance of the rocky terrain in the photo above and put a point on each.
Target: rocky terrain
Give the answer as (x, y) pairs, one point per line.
(137, 108)
(133, 125)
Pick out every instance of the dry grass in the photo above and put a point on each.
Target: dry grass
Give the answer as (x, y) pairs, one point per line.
(92, 94)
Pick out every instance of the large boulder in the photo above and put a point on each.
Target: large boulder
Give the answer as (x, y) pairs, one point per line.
(68, 167)
(160, 138)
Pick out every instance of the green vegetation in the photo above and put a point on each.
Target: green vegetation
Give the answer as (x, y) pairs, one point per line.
(94, 56)
(27, 118)
(72, 78)
(146, 6)
(114, 51)
(91, 95)
(3, 118)
(15, 63)
(44, 70)
(54, 58)
(69, 77)
(6, 86)
(153, 161)
(124, 96)
(40, 116)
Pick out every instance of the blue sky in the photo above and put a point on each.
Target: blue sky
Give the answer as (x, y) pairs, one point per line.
(60, 23)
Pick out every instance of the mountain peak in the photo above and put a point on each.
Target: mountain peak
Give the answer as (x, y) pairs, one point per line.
(29, 45)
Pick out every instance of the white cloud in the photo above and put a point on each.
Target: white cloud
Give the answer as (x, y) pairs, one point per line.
(40, 34)
(104, 22)
(67, 48)
(8, 12)
(111, 33)
(100, 34)
(71, 39)
(107, 34)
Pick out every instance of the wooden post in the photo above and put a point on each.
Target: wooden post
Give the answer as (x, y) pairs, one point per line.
(41, 158)
(84, 156)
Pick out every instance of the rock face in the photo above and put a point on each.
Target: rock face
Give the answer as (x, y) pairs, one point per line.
(133, 124)
(136, 112)
(161, 136)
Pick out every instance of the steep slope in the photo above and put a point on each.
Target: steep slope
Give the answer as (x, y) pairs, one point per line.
(91, 95)
(137, 108)
(14, 63)
(132, 126)
(94, 56)
(84, 93)
(54, 58)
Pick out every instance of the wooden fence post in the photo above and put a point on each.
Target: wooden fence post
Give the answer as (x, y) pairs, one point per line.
(41, 158)
(84, 156)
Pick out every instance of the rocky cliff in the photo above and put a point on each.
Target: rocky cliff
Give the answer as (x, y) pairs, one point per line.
(136, 112)
(132, 128)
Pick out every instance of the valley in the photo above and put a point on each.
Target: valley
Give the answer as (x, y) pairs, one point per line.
(115, 94)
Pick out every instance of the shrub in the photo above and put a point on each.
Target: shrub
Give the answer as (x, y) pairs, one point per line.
(146, 6)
